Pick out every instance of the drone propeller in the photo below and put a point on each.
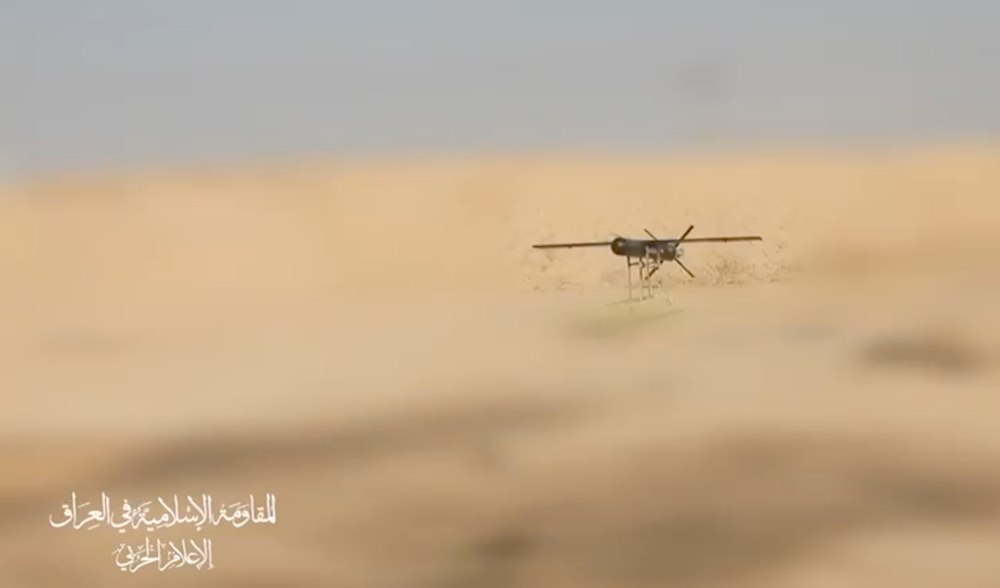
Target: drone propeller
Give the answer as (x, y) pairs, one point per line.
(677, 242)
(684, 267)
(676, 258)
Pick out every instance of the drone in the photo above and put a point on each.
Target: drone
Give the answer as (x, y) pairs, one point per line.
(648, 253)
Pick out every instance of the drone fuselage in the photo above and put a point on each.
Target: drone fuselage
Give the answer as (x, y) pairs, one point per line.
(646, 249)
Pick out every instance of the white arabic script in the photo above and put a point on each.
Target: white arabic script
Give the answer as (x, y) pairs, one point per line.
(198, 512)
(166, 555)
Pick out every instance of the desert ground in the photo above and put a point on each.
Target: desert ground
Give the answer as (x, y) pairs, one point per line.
(378, 346)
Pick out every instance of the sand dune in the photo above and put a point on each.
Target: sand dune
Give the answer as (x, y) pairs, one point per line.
(379, 347)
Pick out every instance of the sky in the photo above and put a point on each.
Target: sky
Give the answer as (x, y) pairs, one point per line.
(123, 83)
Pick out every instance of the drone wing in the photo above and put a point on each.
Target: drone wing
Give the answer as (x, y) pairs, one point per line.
(719, 239)
(571, 245)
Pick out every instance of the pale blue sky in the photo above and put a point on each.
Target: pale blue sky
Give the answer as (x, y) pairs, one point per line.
(112, 83)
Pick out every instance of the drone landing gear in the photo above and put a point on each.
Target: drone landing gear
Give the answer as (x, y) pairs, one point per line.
(647, 267)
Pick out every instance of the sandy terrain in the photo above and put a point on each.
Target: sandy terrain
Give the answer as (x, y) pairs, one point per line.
(377, 345)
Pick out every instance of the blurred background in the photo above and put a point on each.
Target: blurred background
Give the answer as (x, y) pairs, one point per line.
(109, 84)
(258, 247)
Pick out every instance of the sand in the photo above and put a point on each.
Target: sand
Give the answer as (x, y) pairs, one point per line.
(378, 346)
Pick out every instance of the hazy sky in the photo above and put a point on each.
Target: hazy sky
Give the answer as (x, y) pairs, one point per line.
(113, 83)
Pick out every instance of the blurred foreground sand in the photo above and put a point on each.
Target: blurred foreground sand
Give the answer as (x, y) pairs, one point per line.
(379, 347)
